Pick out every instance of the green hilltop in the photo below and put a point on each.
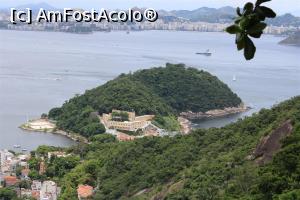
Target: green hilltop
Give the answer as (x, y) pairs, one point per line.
(162, 91)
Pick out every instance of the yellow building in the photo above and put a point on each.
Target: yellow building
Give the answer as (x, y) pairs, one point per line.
(134, 122)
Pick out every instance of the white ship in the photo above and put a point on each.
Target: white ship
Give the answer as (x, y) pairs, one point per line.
(234, 78)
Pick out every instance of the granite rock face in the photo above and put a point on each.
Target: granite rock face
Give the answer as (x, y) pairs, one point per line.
(271, 144)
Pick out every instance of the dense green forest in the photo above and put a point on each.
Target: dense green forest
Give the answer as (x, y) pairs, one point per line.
(163, 91)
(207, 164)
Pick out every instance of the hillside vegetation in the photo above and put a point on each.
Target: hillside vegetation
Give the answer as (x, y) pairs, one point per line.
(207, 164)
(163, 91)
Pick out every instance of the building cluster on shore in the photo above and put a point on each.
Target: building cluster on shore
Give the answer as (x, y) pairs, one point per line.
(160, 24)
(11, 178)
(15, 170)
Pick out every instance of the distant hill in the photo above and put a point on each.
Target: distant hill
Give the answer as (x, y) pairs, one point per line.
(224, 15)
(205, 14)
(163, 91)
(293, 40)
(37, 6)
(285, 20)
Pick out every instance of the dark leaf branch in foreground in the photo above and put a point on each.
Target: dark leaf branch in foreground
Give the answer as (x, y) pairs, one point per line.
(250, 23)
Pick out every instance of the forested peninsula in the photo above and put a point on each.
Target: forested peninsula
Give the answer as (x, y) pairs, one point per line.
(162, 91)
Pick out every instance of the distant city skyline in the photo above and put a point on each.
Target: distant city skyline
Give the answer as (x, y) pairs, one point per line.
(290, 6)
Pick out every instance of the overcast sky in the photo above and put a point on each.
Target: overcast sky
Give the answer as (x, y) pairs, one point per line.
(281, 6)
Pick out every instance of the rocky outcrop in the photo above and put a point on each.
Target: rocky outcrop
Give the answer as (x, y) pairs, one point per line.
(271, 144)
(214, 113)
(168, 189)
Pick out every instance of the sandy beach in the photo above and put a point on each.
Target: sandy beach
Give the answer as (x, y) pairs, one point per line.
(47, 126)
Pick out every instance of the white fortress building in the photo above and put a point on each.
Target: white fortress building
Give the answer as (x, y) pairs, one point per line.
(134, 122)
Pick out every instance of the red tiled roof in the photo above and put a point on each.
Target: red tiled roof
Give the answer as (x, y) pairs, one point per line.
(35, 194)
(124, 137)
(10, 180)
(85, 191)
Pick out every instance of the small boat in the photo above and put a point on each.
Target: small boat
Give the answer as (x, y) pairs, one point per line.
(234, 78)
(17, 146)
(207, 53)
(250, 106)
(24, 149)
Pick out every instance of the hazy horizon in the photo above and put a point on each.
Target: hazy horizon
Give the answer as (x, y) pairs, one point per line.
(293, 6)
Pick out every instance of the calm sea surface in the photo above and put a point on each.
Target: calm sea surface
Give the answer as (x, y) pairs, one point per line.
(40, 70)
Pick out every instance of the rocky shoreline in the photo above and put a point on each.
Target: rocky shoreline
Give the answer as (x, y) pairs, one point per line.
(214, 113)
(47, 126)
(185, 124)
(185, 117)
